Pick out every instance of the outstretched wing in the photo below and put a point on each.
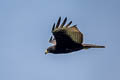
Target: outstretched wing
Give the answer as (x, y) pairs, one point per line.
(66, 35)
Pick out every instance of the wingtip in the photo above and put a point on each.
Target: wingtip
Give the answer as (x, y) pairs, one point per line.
(68, 24)
(53, 27)
(64, 22)
(59, 17)
(66, 18)
(58, 22)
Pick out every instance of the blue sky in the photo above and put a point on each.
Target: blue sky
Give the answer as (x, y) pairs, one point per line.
(25, 28)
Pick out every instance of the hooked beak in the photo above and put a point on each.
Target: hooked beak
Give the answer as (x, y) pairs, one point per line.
(46, 52)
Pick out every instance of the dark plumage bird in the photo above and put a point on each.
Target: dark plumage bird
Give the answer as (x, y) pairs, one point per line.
(67, 39)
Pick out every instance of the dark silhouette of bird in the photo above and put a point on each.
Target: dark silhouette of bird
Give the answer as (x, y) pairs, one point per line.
(67, 39)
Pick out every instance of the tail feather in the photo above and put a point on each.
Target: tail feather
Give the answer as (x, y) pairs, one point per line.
(86, 46)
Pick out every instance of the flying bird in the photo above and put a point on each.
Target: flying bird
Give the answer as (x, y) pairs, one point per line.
(67, 39)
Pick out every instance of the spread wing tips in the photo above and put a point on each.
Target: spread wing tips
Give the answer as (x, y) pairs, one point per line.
(58, 23)
(63, 22)
(53, 27)
(62, 25)
(68, 24)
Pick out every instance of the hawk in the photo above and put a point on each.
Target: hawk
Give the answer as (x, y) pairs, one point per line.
(67, 39)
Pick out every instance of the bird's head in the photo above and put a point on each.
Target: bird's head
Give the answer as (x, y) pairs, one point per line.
(50, 49)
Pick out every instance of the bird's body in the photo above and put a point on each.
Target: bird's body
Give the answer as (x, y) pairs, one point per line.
(61, 49)
(67, 39)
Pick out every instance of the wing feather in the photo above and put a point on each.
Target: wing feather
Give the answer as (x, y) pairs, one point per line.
(63, 22)
(53, 27)
(58, 23)
(69, 24)
(67, 35)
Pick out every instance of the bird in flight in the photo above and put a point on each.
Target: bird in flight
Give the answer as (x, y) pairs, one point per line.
(67, 39)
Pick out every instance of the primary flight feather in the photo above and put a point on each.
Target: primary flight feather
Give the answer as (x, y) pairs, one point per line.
(67, 39)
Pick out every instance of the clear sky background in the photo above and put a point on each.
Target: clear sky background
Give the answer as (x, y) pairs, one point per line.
(25, 28)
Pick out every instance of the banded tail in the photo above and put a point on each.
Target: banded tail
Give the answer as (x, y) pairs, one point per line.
(87, 46)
